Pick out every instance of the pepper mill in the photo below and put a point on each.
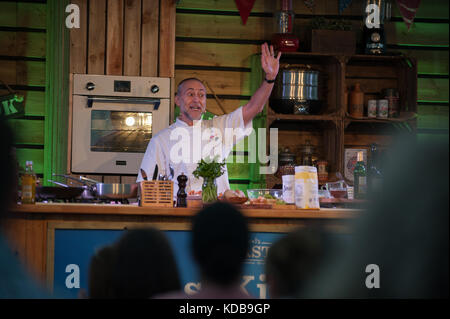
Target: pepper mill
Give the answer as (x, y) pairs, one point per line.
(181, 194)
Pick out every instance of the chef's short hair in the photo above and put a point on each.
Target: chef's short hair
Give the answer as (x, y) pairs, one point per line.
(188, 79)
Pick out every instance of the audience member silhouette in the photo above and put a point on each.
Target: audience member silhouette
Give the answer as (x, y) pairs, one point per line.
(400, 245)
(292, 260)
(101, 273)
(220, 239)
(14, 280)
(144, 266)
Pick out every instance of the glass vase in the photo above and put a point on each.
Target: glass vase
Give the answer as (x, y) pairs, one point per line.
(209, 190)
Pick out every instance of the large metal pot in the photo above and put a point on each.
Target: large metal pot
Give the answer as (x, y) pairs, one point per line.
(297, 91)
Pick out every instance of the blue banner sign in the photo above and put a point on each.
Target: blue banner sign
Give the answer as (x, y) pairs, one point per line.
(75, 247)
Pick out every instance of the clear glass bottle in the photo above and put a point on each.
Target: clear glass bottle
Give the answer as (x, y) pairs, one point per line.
(359, 174)
(374, 173)
(283, 37)
(29, 184)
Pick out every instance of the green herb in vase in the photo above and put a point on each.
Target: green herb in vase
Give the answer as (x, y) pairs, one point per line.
(209, 169)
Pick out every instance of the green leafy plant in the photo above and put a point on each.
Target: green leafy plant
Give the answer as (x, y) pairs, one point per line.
(209, 168)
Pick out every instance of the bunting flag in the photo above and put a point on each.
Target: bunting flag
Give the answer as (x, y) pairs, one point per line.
(244, 7)
(343, 4)
(12, 106)
(310, 4)
(408, 10)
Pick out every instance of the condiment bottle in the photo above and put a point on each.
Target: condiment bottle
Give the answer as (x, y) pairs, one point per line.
(356, 102)
(392, 96)
(29, 184)
(374, 172)
(322, 171)
(359, 175)
(288, 188)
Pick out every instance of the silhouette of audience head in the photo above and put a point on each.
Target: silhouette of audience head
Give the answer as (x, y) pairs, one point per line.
(145, 265)
(7, 166)
(220, 238)
(399, 247)
(101, 273)
(292, 260)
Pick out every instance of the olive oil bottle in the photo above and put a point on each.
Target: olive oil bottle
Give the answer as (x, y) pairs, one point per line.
(28, 184)
(360, 180)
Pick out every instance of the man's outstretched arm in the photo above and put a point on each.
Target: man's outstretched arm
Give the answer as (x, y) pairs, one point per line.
(270, 65)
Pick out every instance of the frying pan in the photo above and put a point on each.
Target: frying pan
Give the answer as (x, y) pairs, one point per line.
(54, 192)
(111, 191)
(87, 191)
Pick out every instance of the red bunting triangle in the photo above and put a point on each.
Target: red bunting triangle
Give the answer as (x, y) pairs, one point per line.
(244, 7)
(408, 10)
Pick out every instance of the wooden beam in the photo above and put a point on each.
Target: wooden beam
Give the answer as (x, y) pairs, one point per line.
(132, 38)
(114, 38)
(57, 90)
(97, 31)
(167, 38)
(78, 41)
(150, 38)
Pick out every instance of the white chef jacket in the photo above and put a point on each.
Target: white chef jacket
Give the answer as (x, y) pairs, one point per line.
(179, 146)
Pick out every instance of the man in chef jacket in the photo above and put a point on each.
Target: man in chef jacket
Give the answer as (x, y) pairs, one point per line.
(189, 139)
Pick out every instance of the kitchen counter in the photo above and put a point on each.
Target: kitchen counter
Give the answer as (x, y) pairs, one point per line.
(31, 229)
(124, 209)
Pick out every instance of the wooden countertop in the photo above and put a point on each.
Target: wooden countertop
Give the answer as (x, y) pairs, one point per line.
(104, 209)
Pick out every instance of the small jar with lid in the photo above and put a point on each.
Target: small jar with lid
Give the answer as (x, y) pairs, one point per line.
(322, 171)
(307, 150)
(286, 163)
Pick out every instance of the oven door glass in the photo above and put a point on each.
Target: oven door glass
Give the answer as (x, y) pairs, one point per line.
(116, 131)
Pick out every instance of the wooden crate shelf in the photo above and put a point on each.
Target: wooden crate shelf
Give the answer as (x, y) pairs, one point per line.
(374, 73)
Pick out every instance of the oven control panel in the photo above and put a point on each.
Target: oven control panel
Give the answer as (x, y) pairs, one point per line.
(112, 85)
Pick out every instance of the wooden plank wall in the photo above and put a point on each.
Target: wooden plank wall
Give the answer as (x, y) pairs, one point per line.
(214, 45)
(124, 37)
(22, 67)
(218, 53)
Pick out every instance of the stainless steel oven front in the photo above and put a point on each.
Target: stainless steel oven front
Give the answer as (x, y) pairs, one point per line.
(113, 120)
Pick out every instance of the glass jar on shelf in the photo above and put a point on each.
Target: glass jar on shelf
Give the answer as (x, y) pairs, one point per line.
(286, 163)
(307, 152)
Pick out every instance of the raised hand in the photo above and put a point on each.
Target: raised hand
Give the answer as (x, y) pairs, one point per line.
(269, 62)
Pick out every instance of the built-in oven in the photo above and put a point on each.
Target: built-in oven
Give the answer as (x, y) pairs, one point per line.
(113, 120)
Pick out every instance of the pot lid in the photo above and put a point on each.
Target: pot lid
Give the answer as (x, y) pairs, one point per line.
(286, 155)
(307, 148)
(298, 68)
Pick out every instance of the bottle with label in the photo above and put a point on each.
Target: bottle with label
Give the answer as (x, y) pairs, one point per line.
(356, 102)
(374, 173)
(28, 184)
(359, 175)
(288, 188)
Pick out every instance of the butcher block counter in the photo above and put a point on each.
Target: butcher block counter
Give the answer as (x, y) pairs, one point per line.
(31, 228)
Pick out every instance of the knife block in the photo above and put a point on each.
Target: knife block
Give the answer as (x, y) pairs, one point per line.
(156, 193)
